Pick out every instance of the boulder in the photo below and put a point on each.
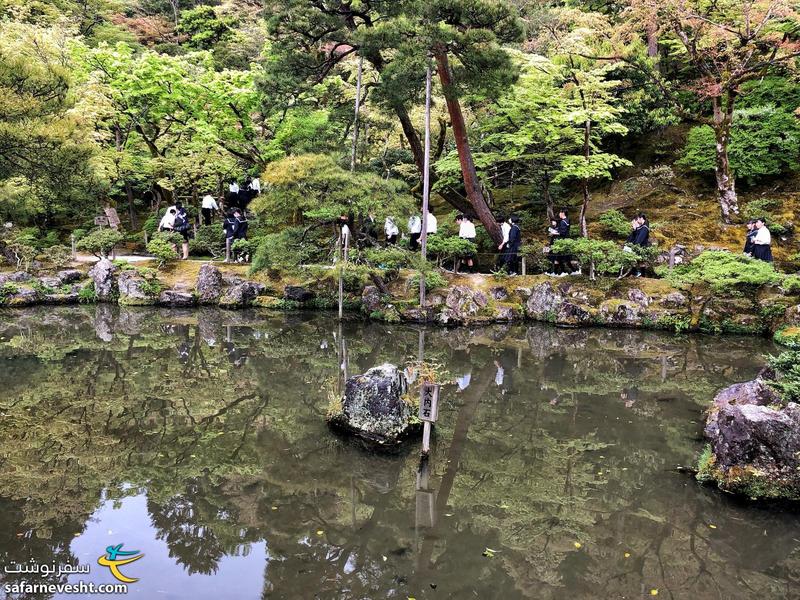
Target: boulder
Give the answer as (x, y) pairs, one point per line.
(371, 299)
(23, 297)
(498, 293)
(16, 277)
(209, 284)
(639, 297)
(464, 303)
(69, 276)
(102, 274)
(70, 297)
(621, 313)
(373, 407)
(544, 302)
(674, 300)
(135, 290)
(50, 282)
(176, 298)
(754, 442)
(417, 314)
(298, 293)
(241, 295)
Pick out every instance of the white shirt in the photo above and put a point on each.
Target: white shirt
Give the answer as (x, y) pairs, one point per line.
(209, 202)
(763, 237)
(433, 224)
(167, 221)
(467, 230)
(255, 185)
(389, 227)
(506, 229)
(234, 188)
(414, 225)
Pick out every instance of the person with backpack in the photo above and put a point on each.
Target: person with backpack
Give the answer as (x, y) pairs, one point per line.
(182, 226)
(749, 245)
(229, 226)
(241, 225)
(167, 222)
(561, 262)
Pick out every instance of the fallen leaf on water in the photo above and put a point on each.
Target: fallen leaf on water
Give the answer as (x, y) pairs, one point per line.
(712, 526)
(384, 558)
(448, 514)
(627, 555)
(320, 532)
(578, 545)
(489, 553)
(274, 508)
(503, 505)
(654, 592)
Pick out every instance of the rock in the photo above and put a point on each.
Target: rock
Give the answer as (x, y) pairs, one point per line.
(70, 297)
(371, 299)
(241, 294)
(674, 300)
(506, 313)
(639, 297)
(373, 407)
(544, 302)
(209, 284)
(103, 276)
(298, 293)
(135, 290)
(621, 313)
(16, 277)
(464, 303)
(50, 282)
(176, 298)
(417, 315)
(69, 276)
(755, 443)
(23, 297)
(498, 293)
(573, 315)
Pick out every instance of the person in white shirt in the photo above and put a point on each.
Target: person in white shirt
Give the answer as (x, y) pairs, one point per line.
(762, 243)
(433, 224)
(466, 231)
(207, 208)
(168, 220)
(233, 187)
(255, 185)
(391, 230)
(505, 229)
(414, 230)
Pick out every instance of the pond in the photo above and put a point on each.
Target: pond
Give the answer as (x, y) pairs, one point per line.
(198, 439)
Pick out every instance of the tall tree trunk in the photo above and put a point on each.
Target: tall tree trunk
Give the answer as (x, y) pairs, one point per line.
(726, 182)
(468, 172)
(548, 199)
(131, 208)
(587, 149)
(652, 42)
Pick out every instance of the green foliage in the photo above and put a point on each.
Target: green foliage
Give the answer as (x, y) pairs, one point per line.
(450, 248)
(57, 255)
(8, 289)
(597, 256)
(725, 272)
(207, 241)
(100, 242)
(615, 223)
(87, 293)
(765, 141)
(285, 249)
(536, 260)
(788, 336)
(787, 370)
(206, 26)
(763, 208)
(433, 280)
(392, 258)
(791, 285)
(242, 250)
(163, 250)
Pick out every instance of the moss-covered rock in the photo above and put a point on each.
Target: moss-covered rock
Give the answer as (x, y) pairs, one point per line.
(789, 336)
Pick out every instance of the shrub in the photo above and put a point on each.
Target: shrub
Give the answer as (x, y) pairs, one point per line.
(791, 284)
(615, 223)
(788, 336)
(207, 241)
(392, 258)
(605, 258)
(536, 260)
(787, 370)
(242, 250)
(433, 280)
(8, 289)
(450, 248)
(725, 272)
(286, 248)
(87, 293)
(57, 255)
(163, 250)
(100, 242)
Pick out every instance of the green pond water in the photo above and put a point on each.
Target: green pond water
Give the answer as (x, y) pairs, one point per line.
(198, 438)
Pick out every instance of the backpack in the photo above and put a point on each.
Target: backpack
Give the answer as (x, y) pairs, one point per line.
(181, 222)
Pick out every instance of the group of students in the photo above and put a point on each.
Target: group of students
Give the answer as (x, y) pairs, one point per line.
(758, 240)
(176, 220)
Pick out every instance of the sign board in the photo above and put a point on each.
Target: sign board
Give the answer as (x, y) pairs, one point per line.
(429, 402)
(113, 217)
(101, 221)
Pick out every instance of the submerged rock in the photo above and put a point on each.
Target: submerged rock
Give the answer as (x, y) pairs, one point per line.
(102, 274)
(209, 284)
(135, 290)
(176, 298)
(297, 293)
(373, 407)
(241, 294)
(754, 443)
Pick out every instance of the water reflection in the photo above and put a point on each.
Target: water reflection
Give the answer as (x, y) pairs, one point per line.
(200, 437)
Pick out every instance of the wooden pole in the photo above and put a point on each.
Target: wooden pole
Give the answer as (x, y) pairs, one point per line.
(346, 241)
(355, 118)
(426, 185)
(72, 245)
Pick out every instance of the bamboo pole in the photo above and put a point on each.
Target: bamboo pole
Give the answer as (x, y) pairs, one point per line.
(354, 149)
(426, 186)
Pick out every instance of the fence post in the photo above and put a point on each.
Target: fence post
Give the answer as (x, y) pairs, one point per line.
(524, 267)
(72, 244)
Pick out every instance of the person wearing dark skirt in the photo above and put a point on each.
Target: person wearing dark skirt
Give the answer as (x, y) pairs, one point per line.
(511, 251)
(762, 242)
(749, 246)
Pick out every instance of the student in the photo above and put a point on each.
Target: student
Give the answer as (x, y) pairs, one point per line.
(168, 220)
(182, 226)
(255, 185)
(642, 232)
(391, 231)
(432, 224)
(466, 231)
(631, 235)
(241, 225)
(229, 226)
(513, 245)
(208, 207)
(762, 242)
(233, 188)
(749, 246)
(561, 262)
(414, 231)
(505, 229)
(370, 230)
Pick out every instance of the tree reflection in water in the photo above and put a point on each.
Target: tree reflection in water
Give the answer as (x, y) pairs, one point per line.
(560, 438)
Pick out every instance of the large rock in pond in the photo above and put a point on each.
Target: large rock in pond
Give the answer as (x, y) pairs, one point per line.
(297, 293)
(209, 284)
(176, 298)
(69, 276)
(754, 443)
(462, 305)
(241, 294)
(135, 290)
(373, 407)
(102, 275)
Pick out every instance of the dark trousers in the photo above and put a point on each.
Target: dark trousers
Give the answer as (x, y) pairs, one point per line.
(391, 239)
(207, 214)
(414, 243)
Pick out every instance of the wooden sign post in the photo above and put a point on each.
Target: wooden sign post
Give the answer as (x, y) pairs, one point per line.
(425, 496)
(428, 411)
